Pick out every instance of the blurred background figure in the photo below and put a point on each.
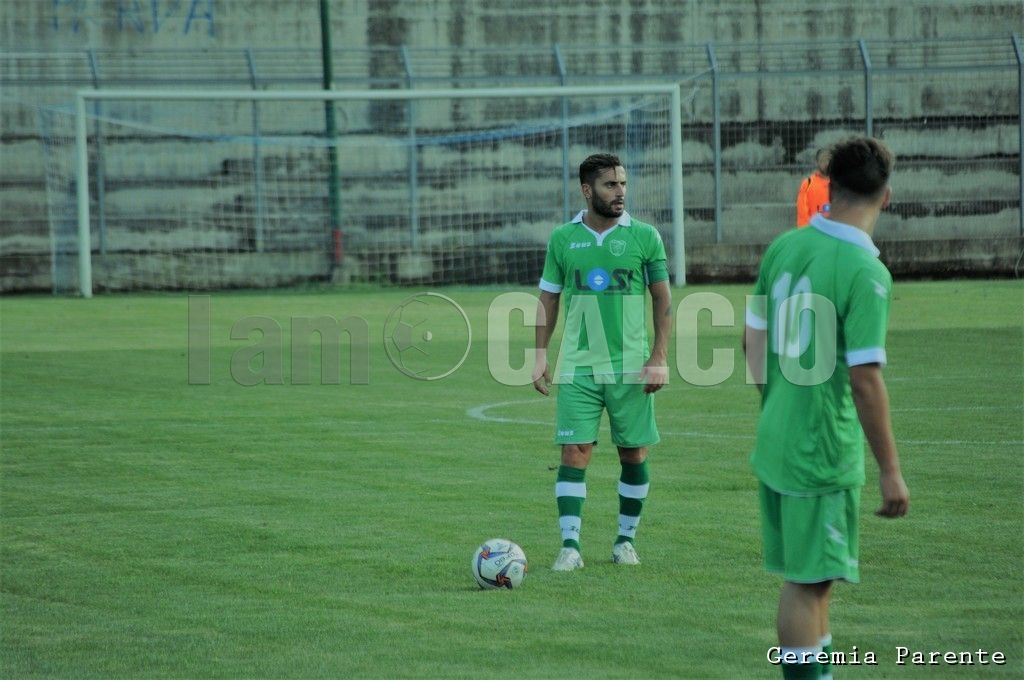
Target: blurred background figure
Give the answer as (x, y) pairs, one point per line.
(812, 198)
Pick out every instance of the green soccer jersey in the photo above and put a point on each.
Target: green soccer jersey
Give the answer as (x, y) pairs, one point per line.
(603, 281)
(823, 297)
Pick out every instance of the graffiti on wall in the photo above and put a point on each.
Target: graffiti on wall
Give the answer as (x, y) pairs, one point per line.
(142, 17)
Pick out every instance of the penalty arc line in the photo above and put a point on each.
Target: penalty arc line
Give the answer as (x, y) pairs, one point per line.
(480, 413)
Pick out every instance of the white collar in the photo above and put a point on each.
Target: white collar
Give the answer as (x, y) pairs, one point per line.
(844, 232)
(624, 220)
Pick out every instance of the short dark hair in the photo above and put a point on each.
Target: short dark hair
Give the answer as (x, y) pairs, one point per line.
(595, 164)
(859, 169)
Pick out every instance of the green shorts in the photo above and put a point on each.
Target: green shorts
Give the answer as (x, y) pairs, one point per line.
(630, 412)
(811, 539)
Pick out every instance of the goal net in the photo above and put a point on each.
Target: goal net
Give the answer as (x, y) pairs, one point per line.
(204, 190)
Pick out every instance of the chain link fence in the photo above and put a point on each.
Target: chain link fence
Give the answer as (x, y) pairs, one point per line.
(755, 115)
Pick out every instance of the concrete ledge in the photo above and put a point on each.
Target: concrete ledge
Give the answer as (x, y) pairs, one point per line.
(949, 258)
(993, 257)
(124, 272)
(723, 262)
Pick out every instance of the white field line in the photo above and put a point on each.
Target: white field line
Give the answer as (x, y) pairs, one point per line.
(482, 413)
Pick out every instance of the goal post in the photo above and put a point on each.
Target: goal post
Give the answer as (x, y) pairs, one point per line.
(82, 197)
(483, 137)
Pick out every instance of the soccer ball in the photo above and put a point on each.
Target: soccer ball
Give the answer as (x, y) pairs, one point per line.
(499, 563)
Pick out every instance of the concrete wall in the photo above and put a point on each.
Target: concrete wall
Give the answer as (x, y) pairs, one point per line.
(776, 115)
(53, 25)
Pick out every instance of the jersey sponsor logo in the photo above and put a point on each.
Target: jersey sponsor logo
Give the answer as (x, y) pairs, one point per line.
(600, 280)
(585, 244)
(617, 247)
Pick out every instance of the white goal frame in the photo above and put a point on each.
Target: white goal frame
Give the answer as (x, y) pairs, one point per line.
(82, 97)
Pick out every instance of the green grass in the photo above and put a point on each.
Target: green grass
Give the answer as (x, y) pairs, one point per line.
(154, 528)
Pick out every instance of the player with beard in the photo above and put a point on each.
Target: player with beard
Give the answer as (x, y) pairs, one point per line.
(603, 263)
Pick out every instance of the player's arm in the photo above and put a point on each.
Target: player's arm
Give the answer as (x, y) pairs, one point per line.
(755, 338)
(755, 343)
(872, 400)
(547, 317)
(655, 372)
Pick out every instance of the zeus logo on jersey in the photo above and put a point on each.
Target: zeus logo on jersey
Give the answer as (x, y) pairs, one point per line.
(598, 279)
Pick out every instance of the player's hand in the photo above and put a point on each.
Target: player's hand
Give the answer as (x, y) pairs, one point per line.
(654, 376)
(542, 376)
(895, 496)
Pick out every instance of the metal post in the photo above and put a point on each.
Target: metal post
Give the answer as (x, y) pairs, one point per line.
(1019, 51)
(566, 176)
(678, 237)
(414, 157)
(869, 103)
(333, 190)
(82, 179)
(716, 123)
(257, 159)
(101, 175)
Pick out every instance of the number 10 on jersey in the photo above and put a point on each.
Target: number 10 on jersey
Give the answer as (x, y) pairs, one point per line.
(805, 331)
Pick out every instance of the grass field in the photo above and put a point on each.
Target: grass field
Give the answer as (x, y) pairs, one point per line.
(150, 527)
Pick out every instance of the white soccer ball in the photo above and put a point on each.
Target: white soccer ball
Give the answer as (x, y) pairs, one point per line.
(499, 563)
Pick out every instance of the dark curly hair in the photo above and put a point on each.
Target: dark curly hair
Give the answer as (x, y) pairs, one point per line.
(595, 164)
(859, 169)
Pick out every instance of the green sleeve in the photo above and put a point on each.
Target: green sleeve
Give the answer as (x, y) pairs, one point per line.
(656, 266)
(553, 274)
(867, 316)
(757, 301)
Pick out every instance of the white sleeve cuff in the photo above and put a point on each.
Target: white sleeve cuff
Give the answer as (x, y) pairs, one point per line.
(871, 355)
(549, 287)
(756, 322)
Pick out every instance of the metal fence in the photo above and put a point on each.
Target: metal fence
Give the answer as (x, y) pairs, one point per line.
(753, 118)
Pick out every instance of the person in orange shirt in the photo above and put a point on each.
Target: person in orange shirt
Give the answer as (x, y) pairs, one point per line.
(813, 195)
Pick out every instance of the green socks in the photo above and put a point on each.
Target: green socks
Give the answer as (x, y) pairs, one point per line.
(570, 492)
(634, 484)
(826, 646)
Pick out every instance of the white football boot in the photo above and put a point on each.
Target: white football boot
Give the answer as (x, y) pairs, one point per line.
(569, 559)
(624, 553)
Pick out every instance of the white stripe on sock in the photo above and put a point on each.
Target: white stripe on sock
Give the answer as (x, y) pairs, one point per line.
(803, 654)
(574, 489)
(570, 527)
(628, 525)
(634, 490)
